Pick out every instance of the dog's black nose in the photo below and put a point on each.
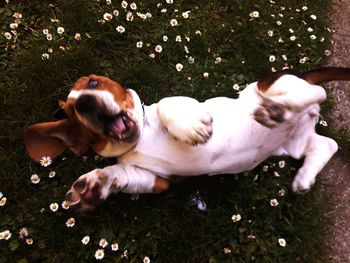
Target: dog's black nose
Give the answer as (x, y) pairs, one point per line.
(86, 104)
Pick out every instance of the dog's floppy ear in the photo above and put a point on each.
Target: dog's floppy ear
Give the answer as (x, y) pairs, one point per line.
(53, 138)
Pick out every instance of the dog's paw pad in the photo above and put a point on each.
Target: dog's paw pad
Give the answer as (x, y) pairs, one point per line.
(86, 192)
(270, 113)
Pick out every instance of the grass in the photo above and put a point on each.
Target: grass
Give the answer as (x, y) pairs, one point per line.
(226, 42)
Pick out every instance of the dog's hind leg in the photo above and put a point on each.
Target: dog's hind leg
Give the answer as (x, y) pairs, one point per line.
(285, 96)
(318, 152)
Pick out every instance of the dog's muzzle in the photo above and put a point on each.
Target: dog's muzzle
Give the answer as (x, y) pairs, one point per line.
(119, 125)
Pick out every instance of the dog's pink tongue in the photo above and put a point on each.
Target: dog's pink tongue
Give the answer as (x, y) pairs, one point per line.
(118, 126)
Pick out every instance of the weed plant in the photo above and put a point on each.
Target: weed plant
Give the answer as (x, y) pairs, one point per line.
(158, 48)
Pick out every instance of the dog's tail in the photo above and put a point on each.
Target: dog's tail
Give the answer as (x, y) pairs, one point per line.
(322, 75)
(316, 76)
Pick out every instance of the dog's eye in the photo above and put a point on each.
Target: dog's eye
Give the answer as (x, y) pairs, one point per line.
(92, 84)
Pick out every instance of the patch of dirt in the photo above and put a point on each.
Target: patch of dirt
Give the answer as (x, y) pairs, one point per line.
(337, 239)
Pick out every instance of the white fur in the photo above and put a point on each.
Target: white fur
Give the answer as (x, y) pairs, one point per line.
(102, 95)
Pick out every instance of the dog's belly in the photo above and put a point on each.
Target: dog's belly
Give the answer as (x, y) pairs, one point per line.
(238, 143)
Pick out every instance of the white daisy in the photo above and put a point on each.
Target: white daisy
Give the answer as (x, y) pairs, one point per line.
(3, 201)
(186, 14)
(6, 235)
(158, 49)
(107, 16)
(139, 44)
(178, 38)
(327, 52)
(133, 6)
(65, 205)
(99, 254)
(323, 123)
(313, 17)
(85, 240)
(152, 55)
(124, 4)
(29, 241)
(179, 66)
(103, 243)
(165, 38)
(227, 250)
(23, 232)
(281, 192)
(282, 164)
(45, 161)
(14, 26)
(236, 218)
(35, 179)
(114, 247)
(282, 242)
(313, 37)
(60, 30)
(7, 35)
(146, 260)
(217, 60)
(17, 15)
(49, 37)
(272, 58)
(191, 60)
(270, 33)
(254, 14)
(120, 29)
(52, 174)
(129, 16)
(206, 75)
(173, 22)
(274, 202)
(108, 2)
(70, 222)
(235, 87)
(115, 12)
(54, 207)
(169, 1)
(142, 16)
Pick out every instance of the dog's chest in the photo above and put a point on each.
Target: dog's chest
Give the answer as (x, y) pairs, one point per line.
(238, 143)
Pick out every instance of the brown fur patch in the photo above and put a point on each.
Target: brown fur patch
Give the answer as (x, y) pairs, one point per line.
(122, 97)
(160, 185)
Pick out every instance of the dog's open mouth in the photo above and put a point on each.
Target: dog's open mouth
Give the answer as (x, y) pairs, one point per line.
(120, 126)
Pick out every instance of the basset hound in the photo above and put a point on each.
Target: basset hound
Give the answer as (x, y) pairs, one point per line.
(181, 136)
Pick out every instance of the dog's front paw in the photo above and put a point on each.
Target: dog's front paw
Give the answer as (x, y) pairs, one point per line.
(270, 113)
(194, 128)
(89, 190)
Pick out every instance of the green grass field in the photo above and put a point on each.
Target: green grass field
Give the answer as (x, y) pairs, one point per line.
(158, 48)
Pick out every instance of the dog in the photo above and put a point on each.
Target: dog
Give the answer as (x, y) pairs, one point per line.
(179, 136)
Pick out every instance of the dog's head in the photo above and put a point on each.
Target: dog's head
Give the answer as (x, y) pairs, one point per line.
(100, 113)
